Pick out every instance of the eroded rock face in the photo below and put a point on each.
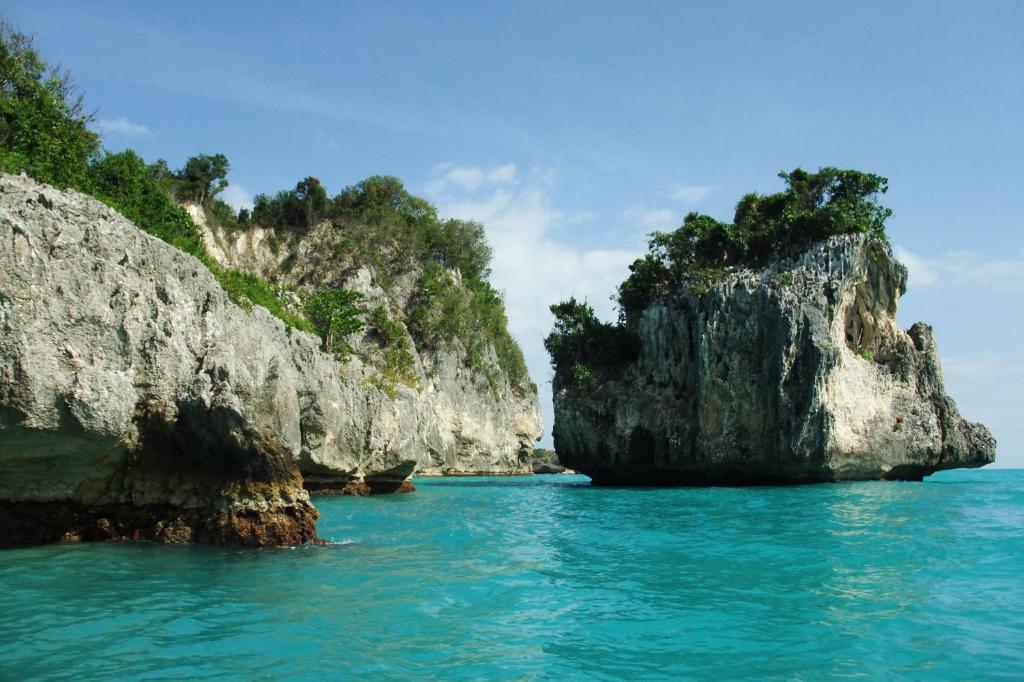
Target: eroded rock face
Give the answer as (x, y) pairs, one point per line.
(137, 401)
(449, 420)
(794, 373)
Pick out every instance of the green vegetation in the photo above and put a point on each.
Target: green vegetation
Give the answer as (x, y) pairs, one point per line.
(335, 315)
(867, 354)
(124, 182)
(545, 455)
(399, 361)
(248, 290)
(202, 178)
(43, 125)
(44, 132)
(582, 347)
(443, 314)
(300, 208)
(813, 206)
(377, 222)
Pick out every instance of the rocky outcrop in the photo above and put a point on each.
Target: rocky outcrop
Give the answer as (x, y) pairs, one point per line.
(448, 418)
(792, 373)
(137, 401)
(546, 462)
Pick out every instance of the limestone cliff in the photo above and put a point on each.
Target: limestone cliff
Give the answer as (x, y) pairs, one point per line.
(796, 372)
(136, 400)
(447, 416)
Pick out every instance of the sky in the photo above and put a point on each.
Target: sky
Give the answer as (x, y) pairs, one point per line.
(573, 129)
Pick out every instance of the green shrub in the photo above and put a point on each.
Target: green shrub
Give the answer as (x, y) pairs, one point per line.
(336, 315)
(440, 313)
(219, 214)
(584, 346)
(247, 290)
(583, 376)
(813, 206)
(126, 184)
(43, 124)
(399, 360)
(488, 315)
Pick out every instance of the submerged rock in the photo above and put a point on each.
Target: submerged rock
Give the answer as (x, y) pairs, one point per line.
(792, 373)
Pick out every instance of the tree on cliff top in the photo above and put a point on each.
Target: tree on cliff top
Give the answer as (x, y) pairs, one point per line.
(43, 126)
(814, 206)
(202, 178)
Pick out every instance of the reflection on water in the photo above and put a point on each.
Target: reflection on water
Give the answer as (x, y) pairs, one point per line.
(546, 576)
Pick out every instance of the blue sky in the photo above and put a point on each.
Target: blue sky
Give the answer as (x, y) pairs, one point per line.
(573, 129)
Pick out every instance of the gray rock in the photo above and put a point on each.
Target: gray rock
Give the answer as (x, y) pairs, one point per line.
(450, 420)
(546, 462)
(135, 399)
(794, 373)
(547, 468)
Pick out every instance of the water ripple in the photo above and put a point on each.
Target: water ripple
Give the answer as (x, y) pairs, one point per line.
(548, 578)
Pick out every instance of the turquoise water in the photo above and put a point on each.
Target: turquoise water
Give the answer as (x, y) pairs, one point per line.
(547, 578)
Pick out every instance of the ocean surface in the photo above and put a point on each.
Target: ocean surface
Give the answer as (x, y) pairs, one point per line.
(547, 578)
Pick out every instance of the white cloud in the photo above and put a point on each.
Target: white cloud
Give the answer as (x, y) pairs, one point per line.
(649, 219)
(690, 195)
(531, 266)
(121, 127)
(236, 196)
(471, 178)
(964, 270)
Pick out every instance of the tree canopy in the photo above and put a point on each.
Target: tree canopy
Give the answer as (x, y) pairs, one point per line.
(299, 208)
(580, 342)
(336, 315)
(813, 206)
(202, 178)
(43, 125)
